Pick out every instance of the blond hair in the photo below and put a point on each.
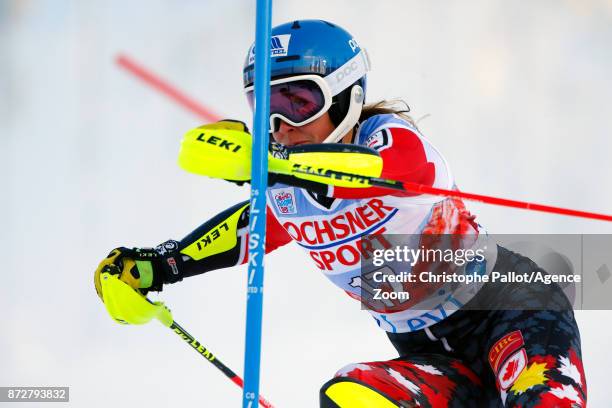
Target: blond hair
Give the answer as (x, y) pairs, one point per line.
(395, 106)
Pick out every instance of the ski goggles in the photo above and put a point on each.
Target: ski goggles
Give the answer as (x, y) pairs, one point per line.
(296, 100)
(302, 99)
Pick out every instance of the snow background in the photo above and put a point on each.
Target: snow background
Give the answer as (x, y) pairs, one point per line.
(518, 95)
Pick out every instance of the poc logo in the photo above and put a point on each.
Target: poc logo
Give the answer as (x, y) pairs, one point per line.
(346, 71)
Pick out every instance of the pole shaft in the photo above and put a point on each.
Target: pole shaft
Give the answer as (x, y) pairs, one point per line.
(504, 202)
(204, 352)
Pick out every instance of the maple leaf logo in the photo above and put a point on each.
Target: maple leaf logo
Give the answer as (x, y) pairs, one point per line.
(531, 376)
(510, 370)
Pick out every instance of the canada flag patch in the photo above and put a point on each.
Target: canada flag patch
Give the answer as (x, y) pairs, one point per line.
(511, 369)
(284, 199)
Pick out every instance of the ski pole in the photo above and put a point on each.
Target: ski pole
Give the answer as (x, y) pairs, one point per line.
(204, 352)
(365, 181)
(127, 306)
(326, 164)
(393, 184)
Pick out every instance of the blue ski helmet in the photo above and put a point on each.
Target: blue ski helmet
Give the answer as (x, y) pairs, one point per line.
(317, 47)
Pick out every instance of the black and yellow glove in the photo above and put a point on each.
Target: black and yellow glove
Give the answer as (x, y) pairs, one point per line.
(144, 269)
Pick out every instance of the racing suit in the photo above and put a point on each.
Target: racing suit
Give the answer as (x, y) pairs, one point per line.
(461, 346)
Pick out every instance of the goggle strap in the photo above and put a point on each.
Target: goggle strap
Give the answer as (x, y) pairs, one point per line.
(348, 73)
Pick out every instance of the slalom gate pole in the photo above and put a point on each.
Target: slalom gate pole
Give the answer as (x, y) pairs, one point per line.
(204, 352)
(165, 88)
(257, 224)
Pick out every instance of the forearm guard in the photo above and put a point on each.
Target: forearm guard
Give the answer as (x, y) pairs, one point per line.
(215, 244)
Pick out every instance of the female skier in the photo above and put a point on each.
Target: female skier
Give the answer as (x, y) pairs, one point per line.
(462, 345)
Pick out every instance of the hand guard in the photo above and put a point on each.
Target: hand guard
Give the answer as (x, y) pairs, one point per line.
(143, 269)
(229, 124)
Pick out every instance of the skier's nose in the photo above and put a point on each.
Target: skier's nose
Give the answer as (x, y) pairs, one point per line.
(284, 127)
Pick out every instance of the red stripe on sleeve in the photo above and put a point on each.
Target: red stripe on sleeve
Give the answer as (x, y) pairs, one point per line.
(276, 236)
(404, 160)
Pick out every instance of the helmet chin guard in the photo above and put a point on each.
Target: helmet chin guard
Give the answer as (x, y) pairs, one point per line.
(351, 118)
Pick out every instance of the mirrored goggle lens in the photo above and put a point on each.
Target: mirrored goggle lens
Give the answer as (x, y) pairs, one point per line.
(297, 101)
